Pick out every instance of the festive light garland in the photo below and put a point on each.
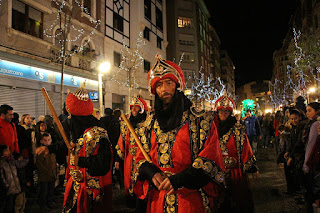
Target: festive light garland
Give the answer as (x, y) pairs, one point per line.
(206, 89)
(306, 67)
(279, 93)
(131, 60)
(69, 28)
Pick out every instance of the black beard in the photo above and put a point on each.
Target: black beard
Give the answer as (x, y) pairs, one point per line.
(140, 117)
(169, 115)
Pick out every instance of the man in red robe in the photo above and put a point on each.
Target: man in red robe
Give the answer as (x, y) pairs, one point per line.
(183, 145)
(238, 158)
(127, 147)
(88, 176)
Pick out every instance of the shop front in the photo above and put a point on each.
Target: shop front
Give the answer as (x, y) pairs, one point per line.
(20, 87)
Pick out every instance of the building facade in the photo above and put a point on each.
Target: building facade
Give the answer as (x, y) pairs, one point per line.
(305, 20)
(30, 49)
(257, 91)
(144, 21)
(227, 72)
(190, 34)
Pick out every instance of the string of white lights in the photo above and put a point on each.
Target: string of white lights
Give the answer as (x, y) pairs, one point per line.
(131, 60)
(69, 33)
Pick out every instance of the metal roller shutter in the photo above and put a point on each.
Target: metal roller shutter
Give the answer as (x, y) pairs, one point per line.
(23, 101)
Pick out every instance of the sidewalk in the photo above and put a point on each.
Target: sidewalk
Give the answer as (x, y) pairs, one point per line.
(269, 189)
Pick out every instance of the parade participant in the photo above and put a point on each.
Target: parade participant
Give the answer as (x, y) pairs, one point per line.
(88, 176)
(127, 147)
(237, 155)
(183, 145)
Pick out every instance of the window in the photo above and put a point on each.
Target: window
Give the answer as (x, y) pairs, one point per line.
(202, 62)
(185, 39)
(86, 48)
(184, 22)
(146, 66)
(116, 59)
(147, 9)
(188, 57)
(159, 40)
(159, 21)
(201, 45)
(188, 74)
(87, 6)
(27, 19)
(117, 22)
(57, 38)
(146, 33)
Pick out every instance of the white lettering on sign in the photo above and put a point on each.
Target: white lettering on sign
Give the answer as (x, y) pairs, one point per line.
(12, 72)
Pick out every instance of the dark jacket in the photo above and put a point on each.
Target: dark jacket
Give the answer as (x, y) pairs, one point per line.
(9, 175)
(297, 151)
(252, 125)
(47, 167)
(112, 125)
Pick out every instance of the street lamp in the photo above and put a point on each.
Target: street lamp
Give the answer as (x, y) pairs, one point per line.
(311, 90)
(103, 68)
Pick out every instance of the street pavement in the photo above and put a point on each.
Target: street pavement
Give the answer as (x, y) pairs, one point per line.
(269, 188)
(268, 191)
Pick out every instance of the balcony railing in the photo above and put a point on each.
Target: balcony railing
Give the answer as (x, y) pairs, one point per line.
(79, 60)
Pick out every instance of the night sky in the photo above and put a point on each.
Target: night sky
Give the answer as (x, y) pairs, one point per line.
(251, 31)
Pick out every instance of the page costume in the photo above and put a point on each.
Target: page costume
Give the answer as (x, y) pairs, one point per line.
(88, 185)
(183, 146)
(238, 159)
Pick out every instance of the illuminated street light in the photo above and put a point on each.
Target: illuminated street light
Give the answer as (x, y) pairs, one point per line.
(311, 90)
(103, 68)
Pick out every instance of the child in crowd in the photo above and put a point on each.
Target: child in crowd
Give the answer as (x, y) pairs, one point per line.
(9, 176)
(47, 167)
(284, 145)
(20, 201)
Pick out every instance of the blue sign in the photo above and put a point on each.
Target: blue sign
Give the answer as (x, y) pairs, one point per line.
(68, 80)
(19, 70)
(34, 73)
(94, 95)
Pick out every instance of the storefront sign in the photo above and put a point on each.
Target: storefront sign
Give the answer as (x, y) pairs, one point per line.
(34, 73)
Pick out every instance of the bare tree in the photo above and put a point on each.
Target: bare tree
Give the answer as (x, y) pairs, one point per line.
(131, 60)
(68, 12)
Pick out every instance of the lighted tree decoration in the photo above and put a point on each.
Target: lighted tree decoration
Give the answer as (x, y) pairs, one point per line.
(248, 104)
(205, 89)
(67, 32)
(131, 60)
(304, 54)
(278, 93)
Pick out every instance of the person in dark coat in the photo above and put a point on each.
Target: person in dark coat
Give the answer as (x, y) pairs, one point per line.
(253, 130)
(295, 152)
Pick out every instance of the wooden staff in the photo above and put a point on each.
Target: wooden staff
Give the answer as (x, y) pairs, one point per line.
(55, 117)
(146, 156)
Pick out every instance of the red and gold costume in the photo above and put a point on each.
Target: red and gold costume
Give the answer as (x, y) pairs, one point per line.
(190, 148)
(127, 147)
(238, 159)
(89, 182)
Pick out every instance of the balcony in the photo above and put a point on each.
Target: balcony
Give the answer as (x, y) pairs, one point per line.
(83, 60)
